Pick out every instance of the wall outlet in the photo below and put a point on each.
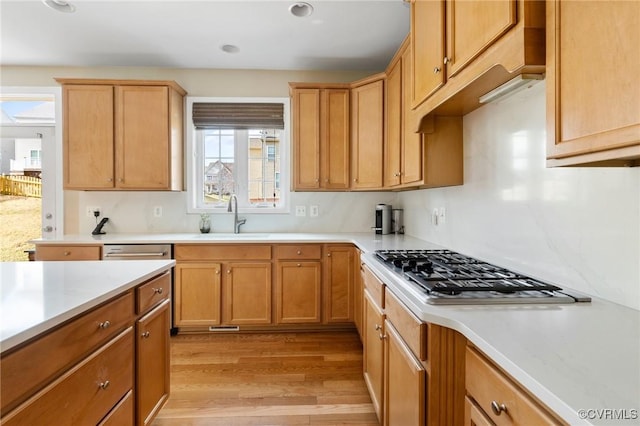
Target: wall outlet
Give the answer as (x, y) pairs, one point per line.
(301, 211)
(314, 211)
(157, 211)
(91, 209)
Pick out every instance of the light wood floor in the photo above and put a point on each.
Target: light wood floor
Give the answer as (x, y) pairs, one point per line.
(267, 379)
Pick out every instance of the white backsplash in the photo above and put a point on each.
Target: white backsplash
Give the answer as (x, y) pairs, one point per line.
(132, 212)
(576, 227)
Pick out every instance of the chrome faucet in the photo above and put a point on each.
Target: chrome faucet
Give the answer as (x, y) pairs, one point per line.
(234, 208)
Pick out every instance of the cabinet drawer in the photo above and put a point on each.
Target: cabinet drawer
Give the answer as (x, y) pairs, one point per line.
(32, 366)
(67, 252)
(222, 252)
(488, 386)
(87, 392)
(298, 251)
(412, 330)
(374, 285)
(153, 292)
(122, 414)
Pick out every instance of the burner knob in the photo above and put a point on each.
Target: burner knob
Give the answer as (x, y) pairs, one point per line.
(407, 268)
(397, 263)
(412, 263)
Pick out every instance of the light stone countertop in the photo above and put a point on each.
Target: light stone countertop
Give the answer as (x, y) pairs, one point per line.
(583, 356)
(37, 296)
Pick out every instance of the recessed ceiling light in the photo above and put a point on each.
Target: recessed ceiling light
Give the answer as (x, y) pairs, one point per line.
(60, 5)
(301, 9)
(230, 48)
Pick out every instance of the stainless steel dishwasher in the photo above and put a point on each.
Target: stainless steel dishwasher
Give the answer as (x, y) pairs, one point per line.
(136, 251)
(141, 252)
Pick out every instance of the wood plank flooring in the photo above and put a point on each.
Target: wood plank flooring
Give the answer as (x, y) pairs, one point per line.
(267, 379)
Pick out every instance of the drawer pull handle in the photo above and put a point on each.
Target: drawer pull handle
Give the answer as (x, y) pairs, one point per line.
(157, 290)
(145, 335)
(104, 385)
(498, 408)
(104, 325)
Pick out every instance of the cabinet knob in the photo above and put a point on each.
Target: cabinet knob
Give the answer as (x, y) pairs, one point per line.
(298, 265)
(328, 254)
(67, 253)
(104, 325)
(382, 336)
(217, 272)
(104, 385)
(299, 252)
(498, 408)
(355, 180)
(145, 335)
(228, 271)
(436, 70)
(120, 180)
(157, 290)
(378, 327)
(109, 180)
(446, 60)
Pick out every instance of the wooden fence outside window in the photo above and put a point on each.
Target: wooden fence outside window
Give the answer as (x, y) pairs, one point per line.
(24, 186)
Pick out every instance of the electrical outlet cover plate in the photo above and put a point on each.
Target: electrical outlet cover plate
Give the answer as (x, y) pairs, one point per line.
(301, 211)
(313, 211)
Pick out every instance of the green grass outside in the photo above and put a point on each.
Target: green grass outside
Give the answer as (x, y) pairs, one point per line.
(20, 221)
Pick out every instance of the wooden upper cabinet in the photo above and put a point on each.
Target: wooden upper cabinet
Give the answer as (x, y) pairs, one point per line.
(593, 89)
(320, 137)
(427, 48)
(367, 118)
(463, 49)
(122, 134)
(393, 119)
(473, 26)
(88, 136)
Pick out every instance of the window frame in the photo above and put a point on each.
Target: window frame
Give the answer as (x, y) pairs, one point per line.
(195, 182)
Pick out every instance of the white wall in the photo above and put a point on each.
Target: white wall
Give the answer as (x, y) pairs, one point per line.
(577, 227)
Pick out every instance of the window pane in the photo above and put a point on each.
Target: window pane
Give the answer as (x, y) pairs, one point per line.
(264, 166)
(218, 166)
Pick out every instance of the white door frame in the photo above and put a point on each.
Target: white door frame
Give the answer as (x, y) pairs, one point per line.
(52, 193)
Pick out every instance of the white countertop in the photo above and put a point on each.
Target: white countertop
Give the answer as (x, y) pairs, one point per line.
(572, 357)
(36, 296)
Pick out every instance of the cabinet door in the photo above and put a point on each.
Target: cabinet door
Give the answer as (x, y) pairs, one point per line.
(298, 292)
(197, 294)
(358, 301)
(393, 122)
(412, 142)
(88, 147)
(152, 363)
(427, 49)
(338, 279)
(473, 26)
(373, 351)
(404, 383)
(142, 137)
(593, 61)
(247, 293)
(367, 119)
(306, 139)
(334, 142)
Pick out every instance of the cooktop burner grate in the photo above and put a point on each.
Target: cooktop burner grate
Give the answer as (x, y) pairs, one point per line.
(447, 275)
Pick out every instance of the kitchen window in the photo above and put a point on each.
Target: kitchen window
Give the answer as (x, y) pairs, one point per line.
(237, 146)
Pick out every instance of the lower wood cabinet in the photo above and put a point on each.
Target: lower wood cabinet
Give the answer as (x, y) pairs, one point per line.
(152, 359)
(339, 275)
(197, 296)
(298, 291)
(68, 252)
(107, 366)
(373, 351)
(246, 293)
(493, 398)
(404, 382)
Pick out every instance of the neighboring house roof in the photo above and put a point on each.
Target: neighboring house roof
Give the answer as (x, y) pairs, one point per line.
(6, 119)
(41, 113)
(217, 167)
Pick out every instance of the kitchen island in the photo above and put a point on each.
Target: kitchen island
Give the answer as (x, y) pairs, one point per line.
(73, 335)
(581, 360)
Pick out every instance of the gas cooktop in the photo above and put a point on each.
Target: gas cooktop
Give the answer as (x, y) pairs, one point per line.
(447, 277)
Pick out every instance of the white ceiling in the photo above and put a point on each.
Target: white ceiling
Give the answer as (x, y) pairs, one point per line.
(339, 35)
